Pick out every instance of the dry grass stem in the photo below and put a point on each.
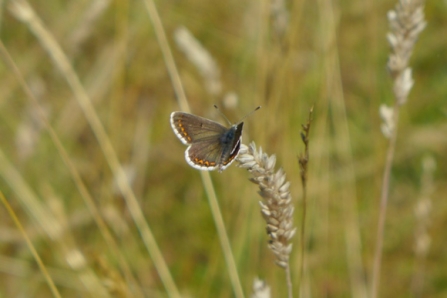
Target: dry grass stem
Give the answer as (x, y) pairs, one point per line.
(276, 205)
(303, 160)
(423, 214)
(184, 106)
(88, 21)
(167, 55)
(30, 246)
(222, 233)
(24, 12)
(406, 22)
(40, 113)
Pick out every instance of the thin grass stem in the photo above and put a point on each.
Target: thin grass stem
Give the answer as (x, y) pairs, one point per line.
(383, 206)
(184, 106)
(303, 160)
(406, 22)
(25, 13)
(221, 232)
(31, 247)
(82, 188)
(167, 54)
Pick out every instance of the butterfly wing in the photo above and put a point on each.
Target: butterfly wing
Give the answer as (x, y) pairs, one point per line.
(192, 129)
(204, 155)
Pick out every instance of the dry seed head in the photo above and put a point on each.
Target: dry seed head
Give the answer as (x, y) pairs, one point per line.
(406, 22)
(201, 58)
(387, 115)
(276, 206)
(260, 289)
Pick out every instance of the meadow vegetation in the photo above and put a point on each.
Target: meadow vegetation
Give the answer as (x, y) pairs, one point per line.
(98, 201)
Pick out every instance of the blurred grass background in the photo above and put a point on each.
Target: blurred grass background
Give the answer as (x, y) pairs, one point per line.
(328, 55)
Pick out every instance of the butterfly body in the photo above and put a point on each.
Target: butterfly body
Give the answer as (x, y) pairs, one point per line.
(211, 145)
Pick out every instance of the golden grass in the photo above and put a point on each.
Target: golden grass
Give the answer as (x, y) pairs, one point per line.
(94, 174)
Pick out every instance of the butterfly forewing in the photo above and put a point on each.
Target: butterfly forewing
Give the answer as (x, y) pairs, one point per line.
(189, 130)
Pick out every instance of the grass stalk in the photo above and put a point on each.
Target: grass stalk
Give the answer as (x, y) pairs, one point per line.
(206, 178)
(82, 188)
(423, 212)
(26, 14)
(52, 227)
(382, 208)
(406, 22)
(222, 234)
(303, 160)
(31, 247)
(337, 108)
(167, 55)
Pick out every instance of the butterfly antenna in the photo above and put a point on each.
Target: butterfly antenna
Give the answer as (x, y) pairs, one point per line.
(257, 108)
(217, 108)
(229, 122)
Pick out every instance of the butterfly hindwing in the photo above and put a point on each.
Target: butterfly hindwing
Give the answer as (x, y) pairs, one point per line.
(204, 155)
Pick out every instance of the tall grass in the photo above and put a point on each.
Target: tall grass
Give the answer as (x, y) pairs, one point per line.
(96, 178)
(406, 23)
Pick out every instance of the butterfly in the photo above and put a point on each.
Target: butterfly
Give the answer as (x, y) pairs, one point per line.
(211, 145)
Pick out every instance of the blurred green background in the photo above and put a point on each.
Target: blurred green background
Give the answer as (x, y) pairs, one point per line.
(330, 55)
